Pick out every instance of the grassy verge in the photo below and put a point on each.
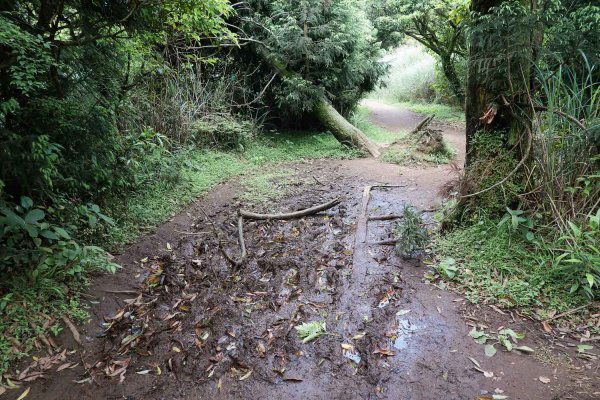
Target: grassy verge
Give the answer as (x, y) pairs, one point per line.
(489, 264)
(202, 169)
(28, 312)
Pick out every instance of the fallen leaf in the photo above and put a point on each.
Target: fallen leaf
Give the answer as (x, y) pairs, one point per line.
(385, 352)
(546, 327)
(247, 375)
(474, 361)
(543, 379)
(347, 346)
(490, 350)
(359, 336)
(144, 372)
(488, 374)
(24, 394)
(402, 312)
(261, 349)
(65, 366)
(524, 349)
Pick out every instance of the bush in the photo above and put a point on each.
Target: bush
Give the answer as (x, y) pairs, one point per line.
(224, 132)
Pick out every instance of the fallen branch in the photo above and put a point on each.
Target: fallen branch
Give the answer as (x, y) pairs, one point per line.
(386, 217)
(390, 242)
(292, 215)
(239, 261)
(422, 124)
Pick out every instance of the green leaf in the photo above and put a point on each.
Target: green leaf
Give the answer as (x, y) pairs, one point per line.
(529, 236)
(490, 350)
(26, 202)
(49, 235)
(34, 216)
(590, 279)
(581, 348)
(311, 331)
(61, 232)
(524, 349)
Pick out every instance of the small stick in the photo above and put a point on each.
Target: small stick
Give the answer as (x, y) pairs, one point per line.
(191, 233)
(121, 291)
(574, 310)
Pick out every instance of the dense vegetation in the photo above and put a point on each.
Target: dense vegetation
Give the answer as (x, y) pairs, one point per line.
(115, 114)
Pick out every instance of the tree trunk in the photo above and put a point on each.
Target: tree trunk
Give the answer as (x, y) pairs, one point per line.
(452, 76)
(343, 130)
(481, 98)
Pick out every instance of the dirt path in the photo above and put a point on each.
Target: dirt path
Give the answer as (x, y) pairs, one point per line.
(199, 330)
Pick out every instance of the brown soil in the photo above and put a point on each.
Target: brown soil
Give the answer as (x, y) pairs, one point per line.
(216, 333)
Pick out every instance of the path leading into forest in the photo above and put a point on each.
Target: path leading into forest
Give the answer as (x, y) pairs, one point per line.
(185, 326)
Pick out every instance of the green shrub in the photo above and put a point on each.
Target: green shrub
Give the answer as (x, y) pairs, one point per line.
(410, 234)
(224, 132)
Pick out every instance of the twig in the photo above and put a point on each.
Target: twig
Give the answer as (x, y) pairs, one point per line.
(562, 114)
(242, 258)
(363, 218)
(572, 311)
(292, 215)
(121, 291)
(191, 233)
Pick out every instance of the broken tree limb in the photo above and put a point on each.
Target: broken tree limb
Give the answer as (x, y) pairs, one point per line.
(388, 217)
(390, 242)
(422, 124)
(242, 243)
(291, 215)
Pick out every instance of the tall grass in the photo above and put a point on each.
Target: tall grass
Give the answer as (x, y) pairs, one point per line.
(566, 184)
(411, 76)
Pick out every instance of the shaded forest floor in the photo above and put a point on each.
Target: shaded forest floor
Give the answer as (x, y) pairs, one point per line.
(178, 323)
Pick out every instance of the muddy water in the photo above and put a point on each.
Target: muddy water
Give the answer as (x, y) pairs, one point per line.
(206, 331)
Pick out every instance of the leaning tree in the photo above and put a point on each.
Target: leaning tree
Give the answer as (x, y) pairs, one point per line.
(324, 53)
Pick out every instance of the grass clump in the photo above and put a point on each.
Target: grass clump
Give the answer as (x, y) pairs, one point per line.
(490, 264)
(406, 153)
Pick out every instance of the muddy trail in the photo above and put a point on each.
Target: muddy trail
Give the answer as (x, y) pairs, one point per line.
(178, 322)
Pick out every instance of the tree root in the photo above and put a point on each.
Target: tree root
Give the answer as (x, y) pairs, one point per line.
(255, 216)
(292, 215)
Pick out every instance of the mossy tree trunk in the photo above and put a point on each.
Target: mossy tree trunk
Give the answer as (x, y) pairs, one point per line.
(492, 89)
(343, 130)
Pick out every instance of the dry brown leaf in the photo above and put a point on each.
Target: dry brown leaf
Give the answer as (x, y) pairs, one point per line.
(544, 379)
(385, 352)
